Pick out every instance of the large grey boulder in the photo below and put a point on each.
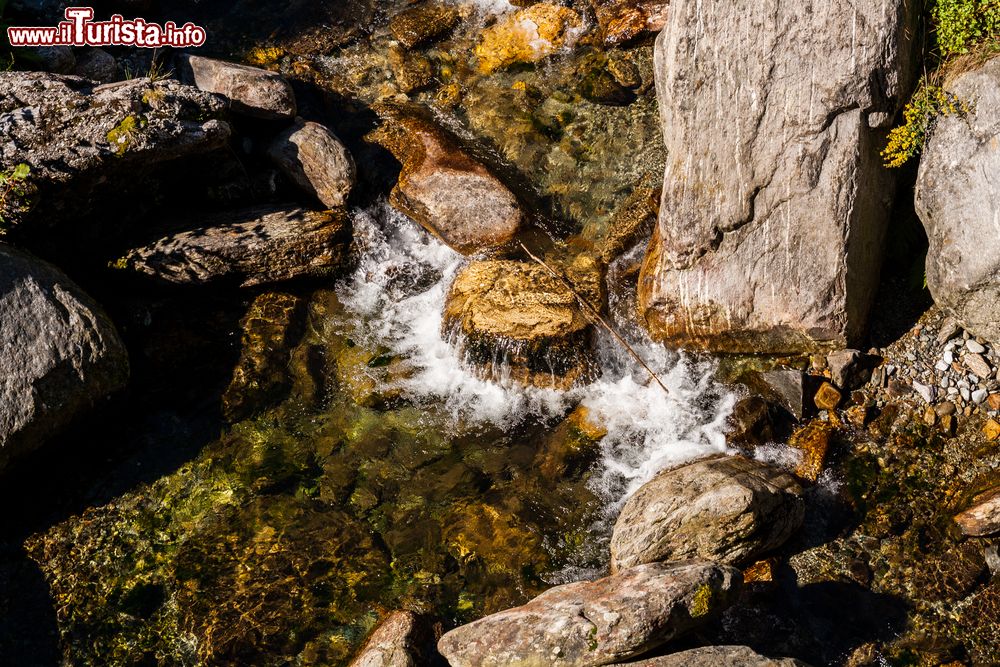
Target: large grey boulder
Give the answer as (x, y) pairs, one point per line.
(718, 656)
(725, 508)
(59, 353)
(79, 138)
(599, 622)
(253, 246)
(251, 91)
(775, 200)
(958, 201)
(316, 160)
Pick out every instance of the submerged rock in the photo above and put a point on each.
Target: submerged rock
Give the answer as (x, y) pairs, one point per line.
(519, 315)
(401, 640)
(622, 21)
(424, 23)
(59, 355)
(251, 91)
(447, 191)
(254, 246)
(271, 327)
(767, 192)
(316, 160)
(527, 36)
(717, 656)
(958, 201)
(983, 515)
(598, 622)
(725, 508)
(77, 137)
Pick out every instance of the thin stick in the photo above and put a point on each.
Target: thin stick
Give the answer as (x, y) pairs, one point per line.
(595, 316)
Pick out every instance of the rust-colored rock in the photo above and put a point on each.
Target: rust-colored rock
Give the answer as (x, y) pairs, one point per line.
(442, 187)
(527, 36)
(982, 518)
(813, 440)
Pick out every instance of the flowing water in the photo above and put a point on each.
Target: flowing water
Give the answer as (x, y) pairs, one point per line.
(390, 475)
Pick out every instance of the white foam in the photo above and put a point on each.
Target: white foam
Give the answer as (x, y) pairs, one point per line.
(647, 428)
(488, 6)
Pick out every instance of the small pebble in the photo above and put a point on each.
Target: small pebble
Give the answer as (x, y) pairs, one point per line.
(911, 357)
(946, 408)
(948, 357)
(979, 396)
(966, 394)
(972, 346)
(926, 392)
(942, 366)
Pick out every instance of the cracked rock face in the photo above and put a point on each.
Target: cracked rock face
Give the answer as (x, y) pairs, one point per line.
(598, 622)
(725, 508)
(958, 201)
(775, 202)
(59, 354)
(80, 138)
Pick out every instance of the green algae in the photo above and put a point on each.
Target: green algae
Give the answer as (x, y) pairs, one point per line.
(286, 539)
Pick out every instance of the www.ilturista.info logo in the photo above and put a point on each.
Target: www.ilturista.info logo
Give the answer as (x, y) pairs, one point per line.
(79, 29)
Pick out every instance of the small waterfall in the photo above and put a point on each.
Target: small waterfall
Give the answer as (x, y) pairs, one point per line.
(397, 293)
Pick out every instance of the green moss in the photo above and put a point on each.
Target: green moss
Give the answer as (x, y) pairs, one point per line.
(123, 135)
(701, 602)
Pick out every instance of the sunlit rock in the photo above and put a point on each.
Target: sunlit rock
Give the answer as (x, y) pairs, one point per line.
(725, 508)
(527, 36)
(250, 247)
(449, 192)
(717, 656)
(775, 200)
(251, 91)
(517, 321)
(316, 160)
(401, 640)
(958, 203)
(592, 623)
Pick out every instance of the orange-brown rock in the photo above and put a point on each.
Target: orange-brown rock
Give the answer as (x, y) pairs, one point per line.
(442, 187)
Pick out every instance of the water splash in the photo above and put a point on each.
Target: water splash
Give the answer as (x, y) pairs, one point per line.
(397, 294)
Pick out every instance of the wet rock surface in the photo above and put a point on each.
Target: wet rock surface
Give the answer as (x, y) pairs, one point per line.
(600, 622)
(447, 191)
(741, 193)
(60, 354)
(519, 313)
(957, 203)
(251, 247)
(726, 508)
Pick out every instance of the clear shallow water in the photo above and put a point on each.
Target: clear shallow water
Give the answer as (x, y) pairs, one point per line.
(391, 477)
(648, 430)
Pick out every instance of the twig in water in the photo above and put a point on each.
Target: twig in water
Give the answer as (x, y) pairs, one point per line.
(594, 315)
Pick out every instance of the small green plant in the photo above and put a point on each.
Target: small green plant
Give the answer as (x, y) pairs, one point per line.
(961, 25)
(964, 31)
(15, 193)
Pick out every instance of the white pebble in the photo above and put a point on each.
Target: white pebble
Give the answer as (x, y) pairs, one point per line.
(974, 347)
(979, 396)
